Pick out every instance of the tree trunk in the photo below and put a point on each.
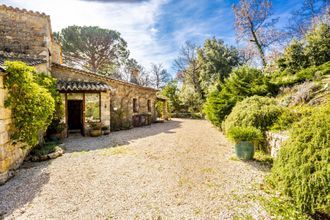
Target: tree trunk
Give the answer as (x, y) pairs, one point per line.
(256, 41)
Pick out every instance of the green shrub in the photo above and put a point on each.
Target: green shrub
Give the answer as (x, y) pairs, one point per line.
(290, 116)
(301, 170)
(318, 44)
(256, 111)
(238, 134)
(243, 82)
(32, 104)
(285, 79)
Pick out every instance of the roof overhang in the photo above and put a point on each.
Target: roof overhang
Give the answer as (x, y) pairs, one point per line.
(80, 86)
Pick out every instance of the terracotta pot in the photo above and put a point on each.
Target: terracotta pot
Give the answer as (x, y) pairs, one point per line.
(95, 133)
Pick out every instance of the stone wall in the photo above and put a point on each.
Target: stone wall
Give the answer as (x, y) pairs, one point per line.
(25, 32)
(122, 93)
(11, 155)
(276, 140)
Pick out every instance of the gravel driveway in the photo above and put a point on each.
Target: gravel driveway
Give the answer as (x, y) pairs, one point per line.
(181, 169)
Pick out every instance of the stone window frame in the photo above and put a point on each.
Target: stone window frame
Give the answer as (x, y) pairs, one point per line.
(135, 105)
(149, 105)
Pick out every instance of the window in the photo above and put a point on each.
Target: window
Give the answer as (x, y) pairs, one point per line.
(149, 106)
(135, 105)
(92, 107)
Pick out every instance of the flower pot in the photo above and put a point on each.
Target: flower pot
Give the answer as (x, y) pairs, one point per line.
(106, 132)
(95, 133)
(244, 150)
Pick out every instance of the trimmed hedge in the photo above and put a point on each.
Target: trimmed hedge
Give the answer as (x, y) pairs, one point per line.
(256, 111)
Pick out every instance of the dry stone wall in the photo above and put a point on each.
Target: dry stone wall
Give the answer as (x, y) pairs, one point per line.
(25, 32)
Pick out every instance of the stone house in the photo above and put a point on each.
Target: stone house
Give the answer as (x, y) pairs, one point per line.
(87, 96)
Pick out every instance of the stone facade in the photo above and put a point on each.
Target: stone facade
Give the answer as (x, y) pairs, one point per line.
(121, 96)
(25, 32)
(27, 36)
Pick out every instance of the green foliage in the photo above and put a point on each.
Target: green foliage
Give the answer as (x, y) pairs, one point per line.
(313, 50)
(47, 148)
(238, 134)
(281, 207)
(216, 61)
(294, 57)
(255, 111)
(31, 104)
(93, 48)
(48, 82)
(190, 99)
(243, 82)
(284, 78)
(301, 170)
(318, 45)
(290, 116)
(171, 91)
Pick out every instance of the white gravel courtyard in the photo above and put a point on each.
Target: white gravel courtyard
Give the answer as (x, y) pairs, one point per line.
(181, 169)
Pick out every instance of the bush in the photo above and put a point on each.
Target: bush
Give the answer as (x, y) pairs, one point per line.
(301, 170)
(31, 104)
(255, 111)
(290, 116)
(238, 134)
(311, 73)
(243, 82)
(318, 45)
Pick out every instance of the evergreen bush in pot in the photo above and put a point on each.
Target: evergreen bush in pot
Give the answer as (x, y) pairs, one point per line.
(244, 138)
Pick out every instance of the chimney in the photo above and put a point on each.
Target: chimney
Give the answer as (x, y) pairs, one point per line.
(135, 76)
(56, 53)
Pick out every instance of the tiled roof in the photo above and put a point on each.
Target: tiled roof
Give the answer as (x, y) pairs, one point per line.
(29, 60)
(72, 86)
(100, 76)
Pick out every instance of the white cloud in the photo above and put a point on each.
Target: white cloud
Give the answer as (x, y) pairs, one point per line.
(136, 22)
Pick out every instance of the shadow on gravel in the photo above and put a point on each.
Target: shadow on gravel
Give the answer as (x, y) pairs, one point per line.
(23, 187)
(77, 143)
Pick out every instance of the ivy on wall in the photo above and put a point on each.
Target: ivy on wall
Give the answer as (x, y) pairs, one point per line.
(31, 101)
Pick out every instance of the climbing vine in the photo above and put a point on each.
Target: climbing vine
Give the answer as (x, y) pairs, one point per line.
(31, 102)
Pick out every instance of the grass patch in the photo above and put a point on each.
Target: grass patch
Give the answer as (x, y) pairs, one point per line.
(79, 153)
(263, 158)
(281, 207)
(115, 151)
(183, 181)
(208, 170)
(45, 149)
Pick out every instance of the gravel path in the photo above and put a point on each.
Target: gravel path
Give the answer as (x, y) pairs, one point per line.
(181, 169)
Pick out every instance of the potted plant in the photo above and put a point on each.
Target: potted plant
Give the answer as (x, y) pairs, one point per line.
(95, 130)
(106, 130)
(55, 130)
(244, 138)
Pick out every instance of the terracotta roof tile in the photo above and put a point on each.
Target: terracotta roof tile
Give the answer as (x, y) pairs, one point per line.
(72, 86)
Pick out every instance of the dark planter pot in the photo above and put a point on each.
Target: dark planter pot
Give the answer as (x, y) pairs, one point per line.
(95, 133)
(106, 132)
(244, 150)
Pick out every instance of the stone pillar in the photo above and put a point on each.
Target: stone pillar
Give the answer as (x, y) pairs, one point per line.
(165, 113)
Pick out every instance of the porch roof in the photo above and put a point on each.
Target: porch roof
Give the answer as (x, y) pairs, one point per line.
(73, 86)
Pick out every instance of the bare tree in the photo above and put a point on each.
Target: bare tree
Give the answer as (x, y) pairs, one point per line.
(159, 75)
(303, 18)
(254, 24)
(187, 67)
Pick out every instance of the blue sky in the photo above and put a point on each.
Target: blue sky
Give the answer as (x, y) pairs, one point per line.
(154, 29)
